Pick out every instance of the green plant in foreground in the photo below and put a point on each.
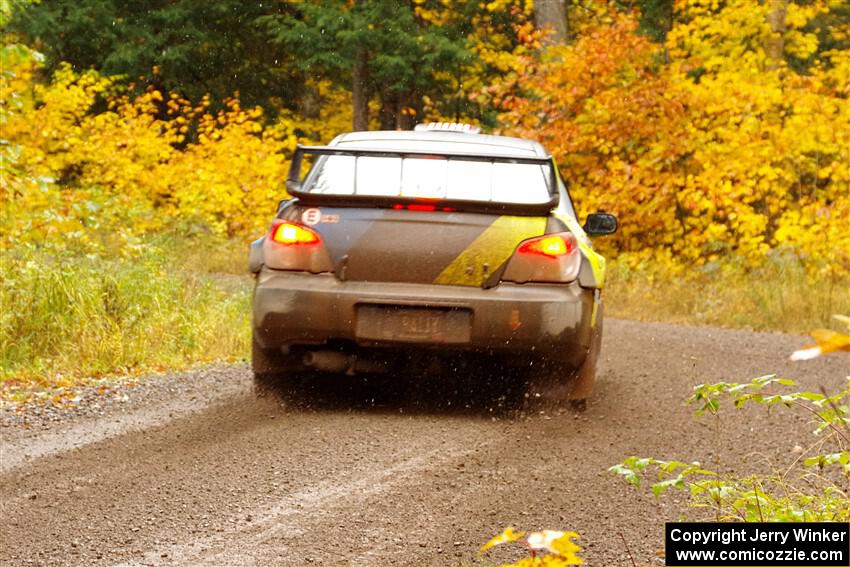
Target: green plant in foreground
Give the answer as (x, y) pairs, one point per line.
(815, 486)
(547, 548)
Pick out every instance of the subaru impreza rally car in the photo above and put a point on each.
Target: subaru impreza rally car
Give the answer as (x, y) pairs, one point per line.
(439, 240)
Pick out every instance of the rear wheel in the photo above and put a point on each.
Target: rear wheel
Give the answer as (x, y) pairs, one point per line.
(559, 383)
(272, 369)
(584, 379)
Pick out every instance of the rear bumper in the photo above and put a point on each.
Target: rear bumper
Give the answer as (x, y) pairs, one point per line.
(551, 320)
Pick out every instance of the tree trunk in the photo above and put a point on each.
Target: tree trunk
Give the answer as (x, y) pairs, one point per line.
(360, 91)
(389, 110)
(408, 111)
(551, 14)
(775, 45)
(309, 101)
(398, 110)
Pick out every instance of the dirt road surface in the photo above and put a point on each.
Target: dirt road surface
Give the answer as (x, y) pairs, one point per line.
(391, 472)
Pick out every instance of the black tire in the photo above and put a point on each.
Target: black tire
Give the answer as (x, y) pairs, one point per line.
(267, 384)
(558, 383)
(584, 380)
(272, 369)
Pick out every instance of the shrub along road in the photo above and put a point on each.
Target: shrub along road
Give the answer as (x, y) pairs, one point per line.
(192, 470)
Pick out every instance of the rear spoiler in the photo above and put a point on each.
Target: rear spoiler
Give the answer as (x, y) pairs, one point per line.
(296, 188)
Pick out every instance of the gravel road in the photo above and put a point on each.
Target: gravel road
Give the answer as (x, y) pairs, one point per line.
(191, 469)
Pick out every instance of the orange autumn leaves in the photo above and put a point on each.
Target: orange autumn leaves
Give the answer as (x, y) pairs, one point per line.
(701, 146)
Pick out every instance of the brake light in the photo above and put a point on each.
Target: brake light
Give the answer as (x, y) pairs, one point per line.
(551, 258)
(287, 233)
(291, 246)
(415, 207)
(551, 246)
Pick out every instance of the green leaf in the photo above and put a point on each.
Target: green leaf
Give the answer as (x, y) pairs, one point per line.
(660, 487)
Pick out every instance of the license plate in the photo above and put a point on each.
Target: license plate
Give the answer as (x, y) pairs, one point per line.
(412, 324)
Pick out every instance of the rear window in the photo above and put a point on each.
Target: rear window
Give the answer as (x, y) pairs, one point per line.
(431, 178)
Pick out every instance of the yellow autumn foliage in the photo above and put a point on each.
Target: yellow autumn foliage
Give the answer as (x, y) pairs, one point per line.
(545, 548)
(82, 160)
(704, 146)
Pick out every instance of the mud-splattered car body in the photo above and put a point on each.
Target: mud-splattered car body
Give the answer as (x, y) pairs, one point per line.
(428, 241)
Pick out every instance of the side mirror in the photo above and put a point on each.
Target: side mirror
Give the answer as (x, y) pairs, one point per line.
(600, 224)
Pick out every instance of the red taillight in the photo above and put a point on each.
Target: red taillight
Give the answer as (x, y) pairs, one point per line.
(551, 258)
(288, 233)
(295, 247)
(551, 246)
(415, 207)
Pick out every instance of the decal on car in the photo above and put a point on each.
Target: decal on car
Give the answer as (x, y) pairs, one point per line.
(596, 260)
(311, 216)
(492, 248)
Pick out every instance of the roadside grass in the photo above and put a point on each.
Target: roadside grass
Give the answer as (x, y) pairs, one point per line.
(778, 296)
(69, 319)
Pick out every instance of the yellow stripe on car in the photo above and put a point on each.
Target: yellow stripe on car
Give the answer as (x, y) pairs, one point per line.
(594, 314)
(597, 261)
(490, 248)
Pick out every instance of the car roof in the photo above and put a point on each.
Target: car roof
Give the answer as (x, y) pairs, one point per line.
(442, 141)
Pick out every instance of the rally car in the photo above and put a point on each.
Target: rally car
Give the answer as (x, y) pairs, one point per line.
(441, 241)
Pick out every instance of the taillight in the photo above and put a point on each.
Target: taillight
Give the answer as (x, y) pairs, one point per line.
(288, 233)
(291, 246)
(551, 258)
(551, 246)
(422, 207)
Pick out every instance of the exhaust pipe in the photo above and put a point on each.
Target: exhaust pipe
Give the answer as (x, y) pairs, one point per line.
(329, 361)
(338, 362)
